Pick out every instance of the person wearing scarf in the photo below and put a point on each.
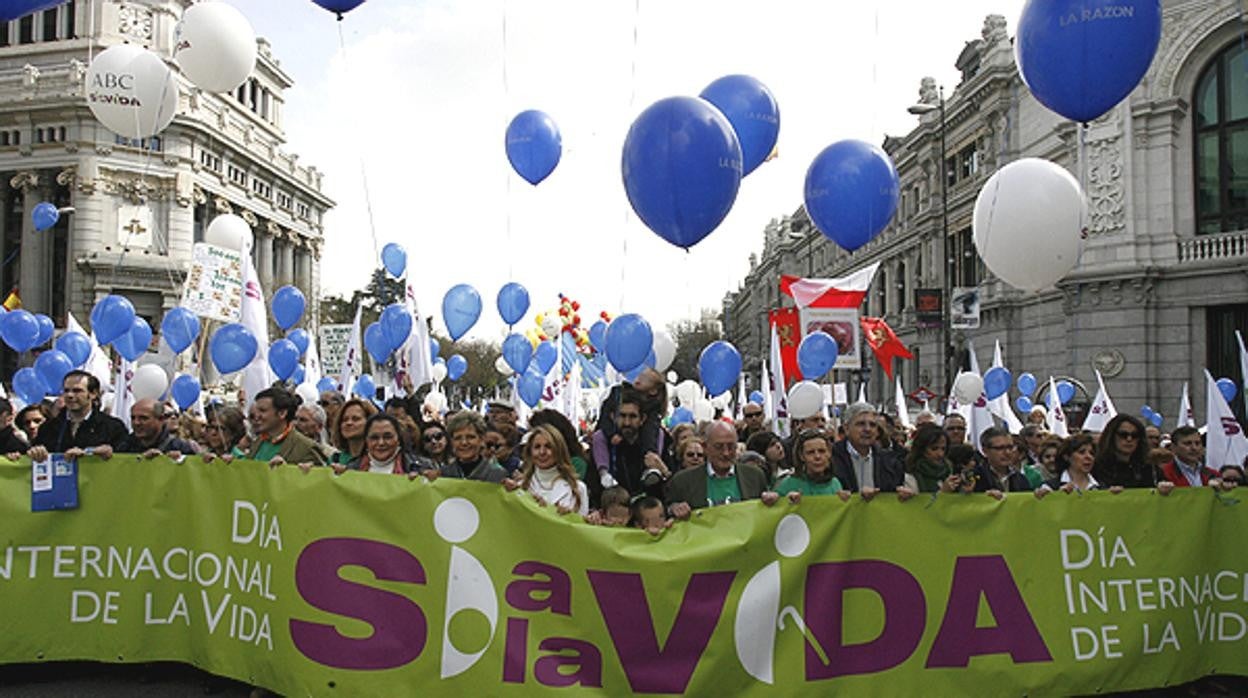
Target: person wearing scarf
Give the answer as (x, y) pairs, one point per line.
(383, 448)
(548, 474)
(926, 460)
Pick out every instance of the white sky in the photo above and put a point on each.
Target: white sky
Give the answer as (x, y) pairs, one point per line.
(420, 98)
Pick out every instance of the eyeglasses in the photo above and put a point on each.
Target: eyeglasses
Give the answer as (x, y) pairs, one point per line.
(692, 454)
(1006, 447)
(1128, 434)
(436, 436)
(751, 415)
(383, 436)
(495, 446)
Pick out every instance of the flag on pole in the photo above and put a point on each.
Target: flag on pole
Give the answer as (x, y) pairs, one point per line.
(254, 316)
(97, 364)
(899, 399)
(351, 359)
(1102, 409)
(415, 361)
(123, 397)
(1224, 438)
(862, 392)
(1000, 407)
(740, 396)
(1057, 416)
(787, 328)
(1185, 409)
(777, 402)
(981, 418)
(312, 364)
(883, 342)
(844, 292)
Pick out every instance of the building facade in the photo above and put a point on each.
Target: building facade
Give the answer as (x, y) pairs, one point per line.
(1163, 279)
(139, 206)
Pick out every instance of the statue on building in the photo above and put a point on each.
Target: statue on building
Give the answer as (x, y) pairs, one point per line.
(994, 30)
(928, 92)
(30, 76)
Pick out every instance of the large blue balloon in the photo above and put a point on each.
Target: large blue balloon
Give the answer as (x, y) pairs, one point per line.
(1227, 387)
(1156, 419)
(283, 358)
(1023, 403)
(513, 302)
(301, 338)
(288, 305)
(997, 382)
(461, 306)
(20, 330)
(629, 341)
(1065, 391)
(44, 216)
(851, 192)
(530, 387)
(682, 415)
(456, 366)
(232, 347)
(1082, 57)
(326, 384)
(365, 387)
(377, 343)
(757, 398)
(52, 366)
(719, 366)
(598, 335)
(434, 348)
(111, 317)
(682, 169)
(185, 390)
(752, 110)
(340, 7)
(29, 386)
(816, 355)
(299, 375)
(545, 356)
(517, 352)
(1027, 383)
(134, 343)
(76, 346)
(46, 328)
(394, 259)
(180, 328)
(533, 145)
(396, 322)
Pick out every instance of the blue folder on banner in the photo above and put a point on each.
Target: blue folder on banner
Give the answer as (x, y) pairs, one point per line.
(54, 484)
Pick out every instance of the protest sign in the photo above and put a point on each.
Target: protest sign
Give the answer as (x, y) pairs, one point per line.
(214, 284)
(334, 339)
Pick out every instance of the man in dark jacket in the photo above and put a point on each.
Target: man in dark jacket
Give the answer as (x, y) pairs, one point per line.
(997, 473)
(10, 442)
(149, 434)
(81, 428)
(724, 480)
(859, 465)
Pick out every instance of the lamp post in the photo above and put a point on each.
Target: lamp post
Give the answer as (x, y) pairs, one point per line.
(946, 273)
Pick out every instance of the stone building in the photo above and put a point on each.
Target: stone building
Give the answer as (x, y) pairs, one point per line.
(140, 205)
(1162, 283)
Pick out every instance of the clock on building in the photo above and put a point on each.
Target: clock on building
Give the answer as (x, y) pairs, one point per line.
(135, 21)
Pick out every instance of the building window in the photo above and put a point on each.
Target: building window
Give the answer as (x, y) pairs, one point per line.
(237, 176)
(68, 10)
(966, 262)
(210, 161)
(262, 189)
(968, 160)
(284, 201)
(1221, 148)
(901, 286)
(4, 33)
(50, 25)
(951, 171)
(26, 30)
(303, 211)
(153, 144)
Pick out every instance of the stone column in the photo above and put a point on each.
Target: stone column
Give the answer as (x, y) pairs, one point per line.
(303, 271)
(264, 262)
(34, 275)
(286, 264)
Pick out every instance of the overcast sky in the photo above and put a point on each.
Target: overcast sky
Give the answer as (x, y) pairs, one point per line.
(423, 92)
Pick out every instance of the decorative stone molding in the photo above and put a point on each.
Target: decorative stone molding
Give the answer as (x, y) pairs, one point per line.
(198, 196)
(67, 176)
(25, 181)
(77, 74)
(1106, 193)
(1110, 362)
(222, 205)
(30, 76)
(1181, 30)
(273, 229)
(136, 191)
(994, 30)
(250, 218)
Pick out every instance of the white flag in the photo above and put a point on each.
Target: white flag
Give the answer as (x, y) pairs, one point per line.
(123, 397)
(312, 364)
(97, 364)
(740, 396)
(1243, 365)
(862, 392)
(1185, 409)
(899, 397)
(1102, 409)
(415, 359)
(1056, 416)
(1000, 407)
(351, 359)
(255, 317)
(1224, 438)
(778, 412)
(981, 417)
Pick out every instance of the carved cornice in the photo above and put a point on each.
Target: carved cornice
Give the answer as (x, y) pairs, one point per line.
(222, 205)
(249, 217)
(25, 181)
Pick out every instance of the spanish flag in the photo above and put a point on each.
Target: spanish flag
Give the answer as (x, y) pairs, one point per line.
(14, 301)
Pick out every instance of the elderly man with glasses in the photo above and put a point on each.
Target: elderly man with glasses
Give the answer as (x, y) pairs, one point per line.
(724, 480)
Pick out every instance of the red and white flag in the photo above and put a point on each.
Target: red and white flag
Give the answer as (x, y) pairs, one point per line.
(1224, 436)
(1102, 409)
(844, 292)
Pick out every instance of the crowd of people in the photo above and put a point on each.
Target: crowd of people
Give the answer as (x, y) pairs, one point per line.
(631, 468)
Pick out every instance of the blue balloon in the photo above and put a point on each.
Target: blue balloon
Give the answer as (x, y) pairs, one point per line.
(76, 346)
(682, 415)
(461, 306)
(20, 330)
(396, 323)
(651, 360)
(598, 335)
(545, 356)
(134, 343)
(111, 317)
(997, 382)
(517, 352)
(757, 398)
(851, 192)
(1147, 412)
(1156, 419)
(456, 366)
(180, 328)
(1023, 403)
(1026, 384)
(533, 145)
(365, 387)
(44, 216)
(288, 305)
(682, 169)
(283, 358)
(719, 367)
(752, 110)
(185, 390)
(434, 348)
(635, 372)
(394, 259)
(13, 9)
(629, 341)
(530, 387)
(816, 355)
(377, 343)
(513, 302)
(52, 366)
(232, 348)
(46, 328)
(326, 384)
(301, 338)
(1227, 387)
(29, 386)
(299, 374)
(340, 7)
(1082, 57)
(1065, 391)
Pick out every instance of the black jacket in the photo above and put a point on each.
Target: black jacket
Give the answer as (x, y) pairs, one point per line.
(10, 442)
(986, 480)
(165, 443)
(98, 429)
(889, 471)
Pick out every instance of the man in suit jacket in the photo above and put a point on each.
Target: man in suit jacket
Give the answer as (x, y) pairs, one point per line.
(859, 464)
(81, 428)
(997, 473)
(723, 481)
(277, 441)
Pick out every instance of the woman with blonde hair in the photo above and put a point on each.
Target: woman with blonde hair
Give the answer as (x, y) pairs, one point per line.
(547, 472)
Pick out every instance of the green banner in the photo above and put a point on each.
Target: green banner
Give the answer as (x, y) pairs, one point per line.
(365, 584)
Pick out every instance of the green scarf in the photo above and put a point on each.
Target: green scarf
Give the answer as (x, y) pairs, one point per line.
(930, 474)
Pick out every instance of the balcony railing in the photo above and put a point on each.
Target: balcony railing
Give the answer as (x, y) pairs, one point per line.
(1212, 247)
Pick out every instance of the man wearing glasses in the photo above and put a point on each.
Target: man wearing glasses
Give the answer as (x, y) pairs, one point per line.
(724, 480)
(997, 474)
(859, 464)
(753, 424)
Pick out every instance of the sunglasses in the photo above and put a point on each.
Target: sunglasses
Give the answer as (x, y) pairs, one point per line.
(1128, 434)
(753, 414)
(433, 437)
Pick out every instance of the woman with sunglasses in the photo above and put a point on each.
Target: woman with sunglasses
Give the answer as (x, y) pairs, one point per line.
(1122, 457)
(433, 443)
(347, 433)
(384, 450)
(691, 453)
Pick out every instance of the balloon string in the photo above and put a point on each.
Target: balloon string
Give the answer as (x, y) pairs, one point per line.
(632, 101)
(511, 264)
(368, 199)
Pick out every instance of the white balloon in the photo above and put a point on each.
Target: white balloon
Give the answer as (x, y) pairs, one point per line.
(1028, 223)
(672, 377)
(967, 388)
(131, 91)
(551, 324)
(688, 392)
(664, 350)
(149, 382)
(231, 232)
(436, 400)
(215, 46)
(721, 401)
(500, 365)
(439, 372)
(805, 400)
(703, 410)
(308, 393)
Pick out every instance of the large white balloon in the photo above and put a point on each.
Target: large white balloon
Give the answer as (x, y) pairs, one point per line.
(664, 350)
(149, 382)
(439, 372)
(308, 393)
(131, 91)
(1028, 223)
(688, 392)
(215, 46)
(703, 410)
(231, 232)
(805, 400)
(500, 365)
(967, 388)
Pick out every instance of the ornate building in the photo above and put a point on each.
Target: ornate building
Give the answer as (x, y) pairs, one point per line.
(140, 205)
(1162, 283)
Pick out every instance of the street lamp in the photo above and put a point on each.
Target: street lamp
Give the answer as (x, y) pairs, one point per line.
(946, 274)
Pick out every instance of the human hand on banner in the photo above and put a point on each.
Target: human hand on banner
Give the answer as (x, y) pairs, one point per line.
(563, 509)
(796, 497)
(654, 462)
(868, 493)
(1043, 491)
(305, 467)
(431, 474)
(769, 498)
(276, 461)
(154, 453)
(904, 493)
(681, 511)
(1116, 489)
(996, 494)
(12, 456)
(1165, 487)
(37, 453)
(511, 485)
(844, 495)
(340, 468)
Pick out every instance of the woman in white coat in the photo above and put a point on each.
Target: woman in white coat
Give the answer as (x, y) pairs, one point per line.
(548, 474)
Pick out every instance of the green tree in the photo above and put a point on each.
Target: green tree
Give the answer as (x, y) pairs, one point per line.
(382, 290)
(691, 337)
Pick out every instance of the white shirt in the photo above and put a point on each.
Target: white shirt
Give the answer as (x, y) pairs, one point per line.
(863, 469)
(1191, 472)
(1092, 483)
(558, 492)
(710, 471)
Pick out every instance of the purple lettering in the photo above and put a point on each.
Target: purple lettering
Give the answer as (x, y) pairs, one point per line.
(959, 638)
(554, 592)
(516, 650)
(399, 626)
(622, 600)
(587, 662)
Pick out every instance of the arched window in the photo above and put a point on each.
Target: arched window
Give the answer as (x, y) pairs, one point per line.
(1221, 134)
